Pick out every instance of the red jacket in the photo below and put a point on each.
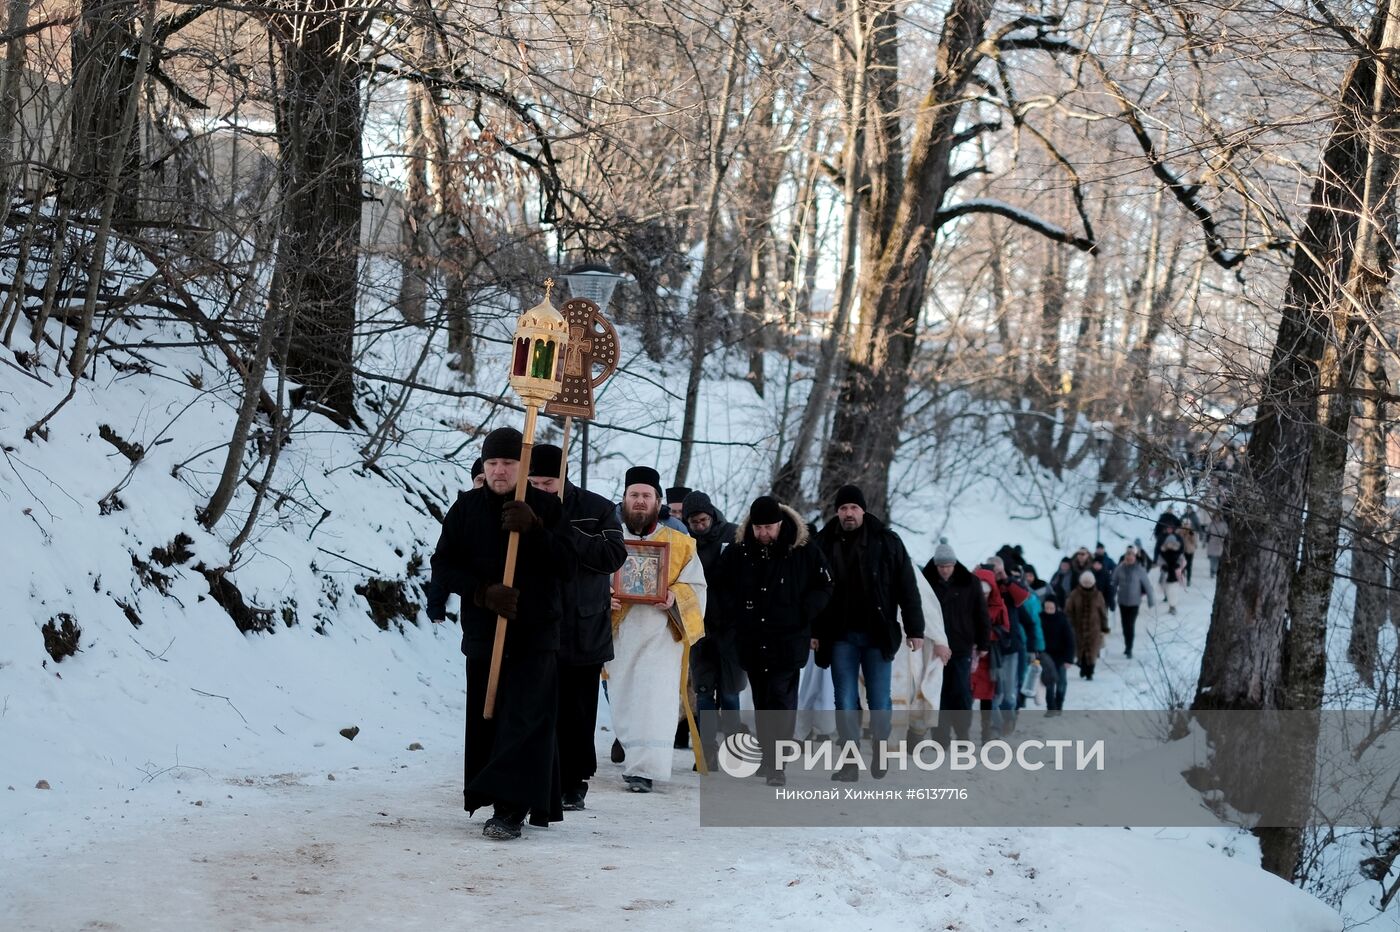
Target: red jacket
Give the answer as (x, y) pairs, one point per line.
(996, 607)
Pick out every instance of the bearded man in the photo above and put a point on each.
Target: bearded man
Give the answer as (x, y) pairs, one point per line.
(651, 643)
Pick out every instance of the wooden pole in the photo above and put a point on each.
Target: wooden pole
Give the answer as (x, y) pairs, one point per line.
(564, 454)
(493, 680)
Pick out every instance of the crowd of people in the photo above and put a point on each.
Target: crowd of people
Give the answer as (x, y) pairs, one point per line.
(799, 616)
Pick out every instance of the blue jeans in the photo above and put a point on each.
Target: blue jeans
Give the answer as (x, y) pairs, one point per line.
(1008, 688)
(851, 656)
(709, 725)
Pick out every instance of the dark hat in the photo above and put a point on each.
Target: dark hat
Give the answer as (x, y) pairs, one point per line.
(478, 467)
(503, 443)
(676, 494)
(642, 475)
(850, 495)
(698, 503)
(765, 510)
(546, 460)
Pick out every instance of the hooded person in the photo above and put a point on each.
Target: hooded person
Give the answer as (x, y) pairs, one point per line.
(651, 640)
(771, 584)
(478, 473)
(1088, 615)
(1003, 603)
(715, 672)
(1062, 582)
(511, 759)
(585, 636)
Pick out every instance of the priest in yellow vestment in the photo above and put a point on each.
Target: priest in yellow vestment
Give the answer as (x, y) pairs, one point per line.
(651, 642)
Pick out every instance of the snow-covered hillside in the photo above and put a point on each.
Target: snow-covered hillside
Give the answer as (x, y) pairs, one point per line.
(196, 776)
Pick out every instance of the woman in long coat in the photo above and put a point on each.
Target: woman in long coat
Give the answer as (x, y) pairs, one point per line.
(1089, 615)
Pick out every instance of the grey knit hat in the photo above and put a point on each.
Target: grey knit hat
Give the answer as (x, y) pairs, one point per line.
(943, 553)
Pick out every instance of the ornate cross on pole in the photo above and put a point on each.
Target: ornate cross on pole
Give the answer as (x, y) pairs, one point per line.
(592, 343)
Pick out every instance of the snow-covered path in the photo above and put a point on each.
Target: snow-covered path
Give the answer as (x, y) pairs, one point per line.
(256, 834)
(391, 848)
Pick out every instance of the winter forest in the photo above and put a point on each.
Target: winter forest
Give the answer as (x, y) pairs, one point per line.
(1025, 273)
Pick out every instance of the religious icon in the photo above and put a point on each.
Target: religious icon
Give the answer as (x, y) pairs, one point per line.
(591, 346)
(643, 575)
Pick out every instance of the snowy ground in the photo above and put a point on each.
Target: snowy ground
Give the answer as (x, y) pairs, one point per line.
(368, 834)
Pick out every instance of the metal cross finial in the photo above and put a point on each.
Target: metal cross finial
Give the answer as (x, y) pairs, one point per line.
(548, 287)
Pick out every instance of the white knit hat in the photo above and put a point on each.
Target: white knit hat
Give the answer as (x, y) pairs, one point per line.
(1086, 579)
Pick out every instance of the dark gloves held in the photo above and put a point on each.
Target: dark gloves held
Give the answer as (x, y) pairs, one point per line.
(502, 600)
(519, 517)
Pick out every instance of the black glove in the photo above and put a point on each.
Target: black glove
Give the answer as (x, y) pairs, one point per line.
(518, 516)
(502, 600)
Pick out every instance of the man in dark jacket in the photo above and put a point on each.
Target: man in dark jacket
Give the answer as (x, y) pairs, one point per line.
(519, 773)
(585, 637)
(714, 662)
(773, 584)
(969, 629)
(859, 633)
(1012, 558)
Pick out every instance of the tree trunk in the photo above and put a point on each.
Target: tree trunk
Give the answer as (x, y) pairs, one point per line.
(1372, 114)
(787, 483)
(1043, 387)
(1372, 539)
(105, 74)
(907, 185)
(1266, 645)
(319, 124)
(10, 87)
(705, 311)
(112, 185)
(416, 264)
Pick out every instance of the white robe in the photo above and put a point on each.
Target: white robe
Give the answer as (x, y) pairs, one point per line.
(644, 681)
(916, 682)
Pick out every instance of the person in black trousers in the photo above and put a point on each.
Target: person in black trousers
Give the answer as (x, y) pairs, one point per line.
(969, 629)
(771, 585)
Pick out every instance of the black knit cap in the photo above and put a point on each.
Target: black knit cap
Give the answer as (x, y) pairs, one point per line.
(643, 475)
(850, 495)
(765, 510)
(503, 443)
(546, 460)
(676, 494)
(478, 467)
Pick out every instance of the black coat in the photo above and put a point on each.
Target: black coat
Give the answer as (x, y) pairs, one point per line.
(471, 554)
(964, 608)
(1059, 637)
(715, 659)
(592, 527)
(1011, 559)
(889, 585)
(771, 594)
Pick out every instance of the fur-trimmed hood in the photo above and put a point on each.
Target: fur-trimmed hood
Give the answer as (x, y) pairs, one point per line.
(794, 533)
